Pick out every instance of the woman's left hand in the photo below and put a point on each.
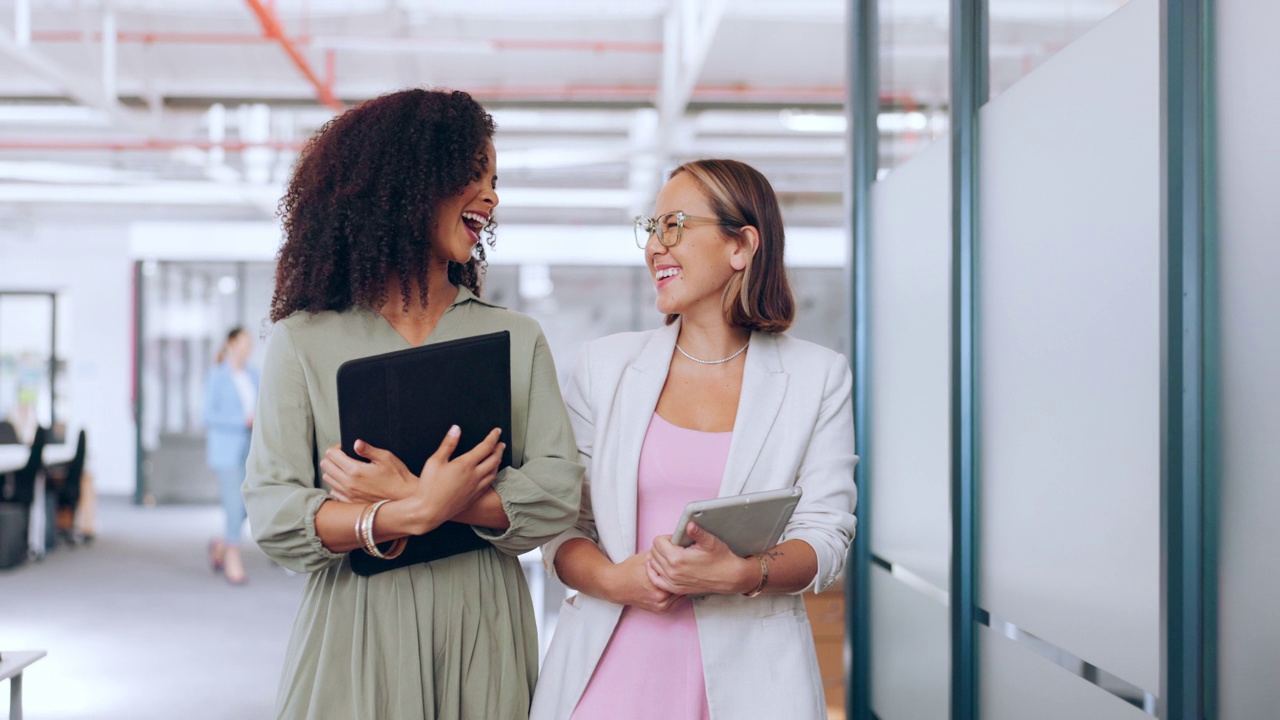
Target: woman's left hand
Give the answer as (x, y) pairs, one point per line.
(384, 477)
(706, 566)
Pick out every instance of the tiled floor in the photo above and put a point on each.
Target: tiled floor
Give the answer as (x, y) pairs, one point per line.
(137, 626)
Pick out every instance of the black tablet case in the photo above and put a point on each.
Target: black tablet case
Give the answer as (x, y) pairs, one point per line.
(405, 402)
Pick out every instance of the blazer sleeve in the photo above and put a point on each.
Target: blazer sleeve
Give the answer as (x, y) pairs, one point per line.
(541, 496)
(577, 400)
(221, 402)
(279, 487)
(824, 518)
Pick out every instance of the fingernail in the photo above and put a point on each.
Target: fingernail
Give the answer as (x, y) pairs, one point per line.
(455, 431)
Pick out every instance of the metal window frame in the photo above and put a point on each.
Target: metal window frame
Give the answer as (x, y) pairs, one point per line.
(863, 107)
(969, 91)
(1190, 369)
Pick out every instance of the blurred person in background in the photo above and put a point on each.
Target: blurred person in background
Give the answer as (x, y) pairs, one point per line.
(383, 224)
(231, 397)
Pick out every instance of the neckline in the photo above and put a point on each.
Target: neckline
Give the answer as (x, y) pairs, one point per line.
(458, 298)
(685, 429)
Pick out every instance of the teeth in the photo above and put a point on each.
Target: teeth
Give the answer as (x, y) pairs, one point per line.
(665, 273)
(477, 218)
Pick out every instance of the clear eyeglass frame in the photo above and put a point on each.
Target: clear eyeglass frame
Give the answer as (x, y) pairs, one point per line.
(664, 225)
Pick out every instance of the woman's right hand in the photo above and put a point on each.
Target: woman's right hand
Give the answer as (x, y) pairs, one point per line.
(629, 584)
(447, 487)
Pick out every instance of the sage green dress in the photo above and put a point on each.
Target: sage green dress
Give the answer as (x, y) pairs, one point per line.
(454, 638)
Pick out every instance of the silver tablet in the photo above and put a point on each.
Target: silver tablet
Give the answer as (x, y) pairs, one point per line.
(749, 524)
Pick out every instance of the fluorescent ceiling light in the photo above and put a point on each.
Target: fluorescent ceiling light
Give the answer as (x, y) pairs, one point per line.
(913, 121)
(813, 122)
(53, 115)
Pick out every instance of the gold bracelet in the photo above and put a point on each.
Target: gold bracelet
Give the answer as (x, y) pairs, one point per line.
(397, 547)
(364, 515)
(370, 546)
(764, 577)
(366, 530)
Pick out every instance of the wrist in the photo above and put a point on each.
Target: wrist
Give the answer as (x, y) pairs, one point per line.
(419, 516)
(756, 575)
(608, 585)
(748, 575)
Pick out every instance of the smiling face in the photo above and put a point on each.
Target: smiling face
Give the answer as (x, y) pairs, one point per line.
(691, 276)
(459, 219)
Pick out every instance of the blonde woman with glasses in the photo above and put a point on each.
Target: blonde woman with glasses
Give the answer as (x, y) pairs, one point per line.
(718, 402)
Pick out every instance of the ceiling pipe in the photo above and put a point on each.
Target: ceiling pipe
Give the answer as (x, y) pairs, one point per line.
(187, 38)
(272, 28)
(152, 145)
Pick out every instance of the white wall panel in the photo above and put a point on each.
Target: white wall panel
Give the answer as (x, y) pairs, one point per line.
(1069, 351)
(1018, 684)
(1249, 167)
(910, 376)
(911, 651)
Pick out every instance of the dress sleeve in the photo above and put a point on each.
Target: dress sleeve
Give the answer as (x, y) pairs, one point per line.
(279, 487)
(577, 402)
(541, 496)
(824, 518)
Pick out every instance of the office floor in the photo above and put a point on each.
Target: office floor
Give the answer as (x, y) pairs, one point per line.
(137, 626)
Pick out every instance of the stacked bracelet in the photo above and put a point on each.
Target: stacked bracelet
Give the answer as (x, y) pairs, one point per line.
(764, 577)
(364, 533)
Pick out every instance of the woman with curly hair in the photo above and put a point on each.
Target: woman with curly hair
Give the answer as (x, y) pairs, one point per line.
(383, 220)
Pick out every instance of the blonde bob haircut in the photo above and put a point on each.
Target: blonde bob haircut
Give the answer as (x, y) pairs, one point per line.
(758, 297)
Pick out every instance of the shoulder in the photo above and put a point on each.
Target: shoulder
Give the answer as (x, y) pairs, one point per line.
(624, 345)
(219, 373)
(303, 328)
(802, 352)
(525, 332)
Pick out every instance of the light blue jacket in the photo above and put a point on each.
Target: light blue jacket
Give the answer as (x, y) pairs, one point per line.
(227, 436)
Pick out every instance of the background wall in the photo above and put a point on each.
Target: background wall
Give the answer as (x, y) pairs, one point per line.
(88, 264)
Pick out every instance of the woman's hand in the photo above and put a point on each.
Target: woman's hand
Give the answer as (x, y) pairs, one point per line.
(706, 566)
(447, 487)
(384, 477)
(630, 584)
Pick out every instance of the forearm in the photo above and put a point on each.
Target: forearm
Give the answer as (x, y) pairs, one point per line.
(792, 566)
(487, 512)
(336, 522)
(583, 566)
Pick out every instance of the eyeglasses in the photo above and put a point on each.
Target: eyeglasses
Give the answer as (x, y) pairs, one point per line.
(668, 227)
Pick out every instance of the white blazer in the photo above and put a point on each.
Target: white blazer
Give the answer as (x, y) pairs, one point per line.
(794, 426)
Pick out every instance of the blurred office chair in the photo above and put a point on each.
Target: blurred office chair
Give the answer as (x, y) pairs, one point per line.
(66, 486)
(15, 506)
(8, 434)
(21, 487)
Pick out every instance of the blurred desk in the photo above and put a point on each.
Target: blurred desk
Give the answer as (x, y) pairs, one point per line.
(14, 458)
(11, 666)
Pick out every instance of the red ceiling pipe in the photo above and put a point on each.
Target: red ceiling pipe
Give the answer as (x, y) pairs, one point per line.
(155, 145)
(185, 38)
(272, 28)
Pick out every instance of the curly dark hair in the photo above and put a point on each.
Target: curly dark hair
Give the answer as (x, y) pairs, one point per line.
(361, 203)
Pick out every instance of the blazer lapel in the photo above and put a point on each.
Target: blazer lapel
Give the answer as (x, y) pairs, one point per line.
(764, 385)
(638, 394)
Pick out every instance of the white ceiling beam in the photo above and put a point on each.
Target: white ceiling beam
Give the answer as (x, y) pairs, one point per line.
(689, 30)
(22, 22)
(78, 88)
(590, 245)
(267, 196)
(109, 39)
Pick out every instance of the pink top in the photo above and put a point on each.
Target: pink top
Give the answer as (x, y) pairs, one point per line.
(652, 667)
